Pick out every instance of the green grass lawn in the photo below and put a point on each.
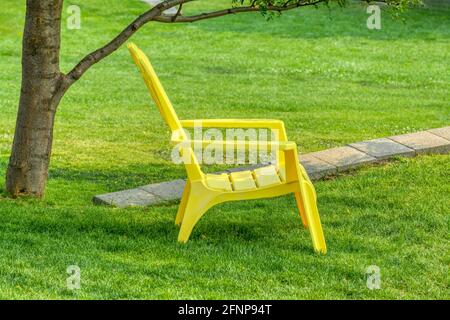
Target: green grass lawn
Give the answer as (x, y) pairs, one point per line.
(322, 71)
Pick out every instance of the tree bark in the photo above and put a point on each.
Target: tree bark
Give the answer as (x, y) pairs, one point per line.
(41, 92)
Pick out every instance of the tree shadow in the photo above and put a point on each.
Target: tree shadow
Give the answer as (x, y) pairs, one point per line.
(310, 23)
(115, 179)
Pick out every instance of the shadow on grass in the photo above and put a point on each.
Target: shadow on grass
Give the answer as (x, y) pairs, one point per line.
(126, 177)
(220, 225)
(114, 179)
(415, 23)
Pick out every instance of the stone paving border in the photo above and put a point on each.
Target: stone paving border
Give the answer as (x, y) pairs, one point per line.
(317, 164)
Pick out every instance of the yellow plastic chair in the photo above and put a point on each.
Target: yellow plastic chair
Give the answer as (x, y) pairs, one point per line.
(202, 191)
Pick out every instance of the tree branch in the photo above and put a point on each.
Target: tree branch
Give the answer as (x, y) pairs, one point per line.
(209, 15)
(178, 12)
(99, 54)
(156, 14)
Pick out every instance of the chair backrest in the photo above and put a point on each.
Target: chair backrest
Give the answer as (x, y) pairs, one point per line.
(166, 109)
(156, 89)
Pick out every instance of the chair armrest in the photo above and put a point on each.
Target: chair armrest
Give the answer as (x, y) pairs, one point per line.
(278, 145)
(239, 123)
(233, 123)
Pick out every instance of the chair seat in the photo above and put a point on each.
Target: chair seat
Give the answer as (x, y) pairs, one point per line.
(246, 180)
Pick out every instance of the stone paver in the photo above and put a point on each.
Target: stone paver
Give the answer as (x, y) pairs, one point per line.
(344, 158)
(170, 190)
(317, 164)
(423, 142)
(127, 198)
(441, 132)
(383, 148)
(315, 167)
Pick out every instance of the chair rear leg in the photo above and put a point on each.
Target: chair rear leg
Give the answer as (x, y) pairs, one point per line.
(183, 203)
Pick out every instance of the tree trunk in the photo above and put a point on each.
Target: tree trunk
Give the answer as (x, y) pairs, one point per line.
(42, 90)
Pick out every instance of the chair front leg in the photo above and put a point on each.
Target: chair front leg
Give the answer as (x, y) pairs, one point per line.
(198, 202)
(301, 208)
(293, 174)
